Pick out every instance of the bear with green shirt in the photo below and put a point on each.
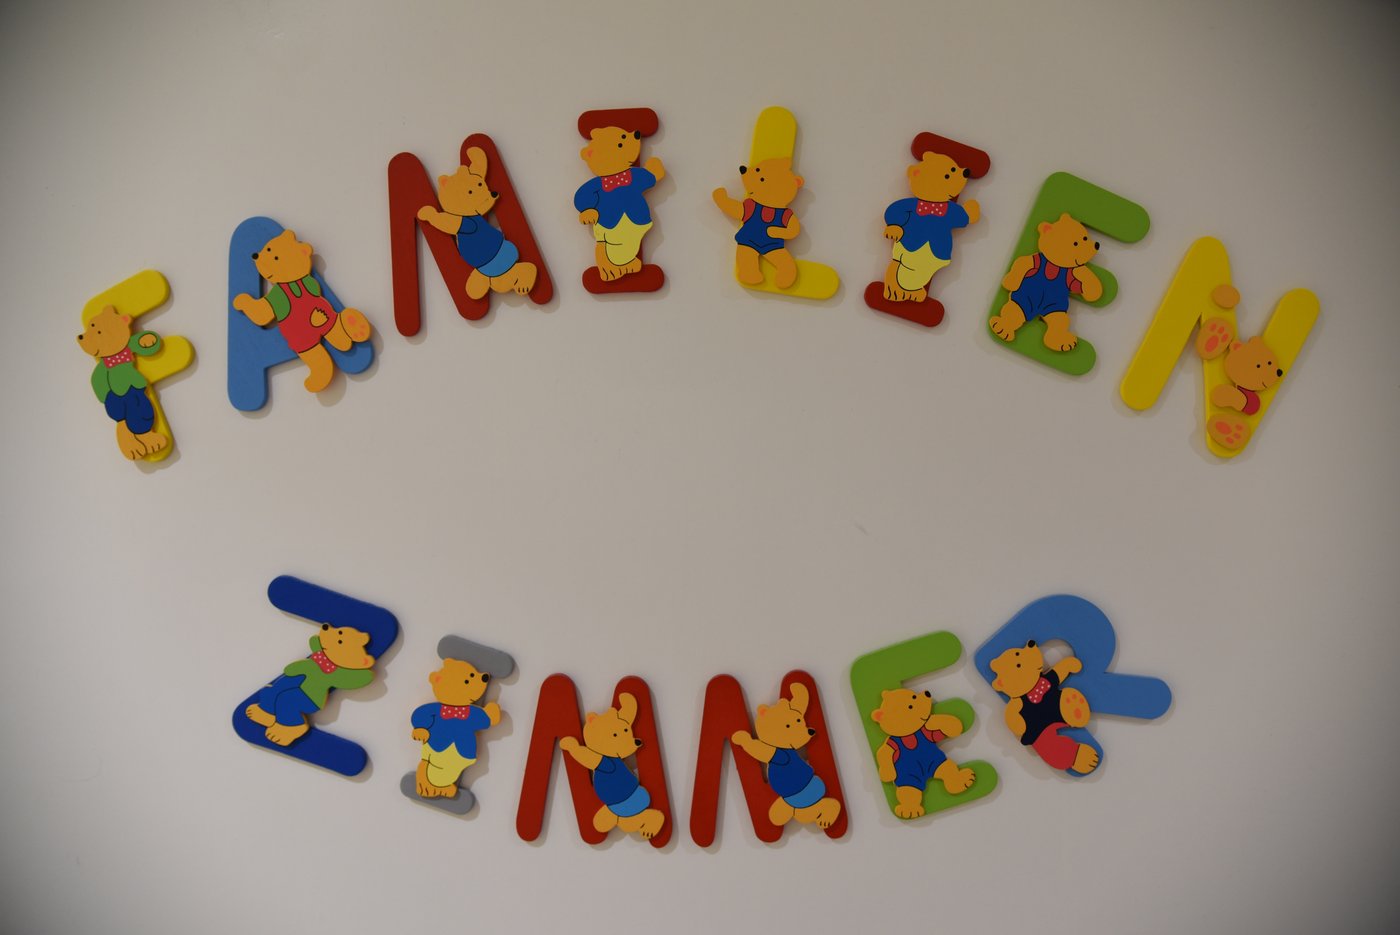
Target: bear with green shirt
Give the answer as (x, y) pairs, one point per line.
(338, 660)
(118, 384)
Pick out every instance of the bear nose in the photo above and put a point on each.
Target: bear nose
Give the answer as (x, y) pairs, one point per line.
(928, 694)
(811, 732)
(325, 626)
(1280, 371)
(495, 194)
(1096, 245)
(1030, 644)
(743, 169)
(637, 742)
(255, 256)
(967, 173)
(486, 676)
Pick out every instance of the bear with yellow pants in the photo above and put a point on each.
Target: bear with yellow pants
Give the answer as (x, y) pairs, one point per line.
(304, 316)
(614, 200)
(447, 727)
(910, 758)
(922, 227)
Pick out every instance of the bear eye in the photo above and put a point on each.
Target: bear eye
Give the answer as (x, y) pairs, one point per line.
(1018, 665)
(274, 259)
(947, 176)
(911, 707)
(619, 145)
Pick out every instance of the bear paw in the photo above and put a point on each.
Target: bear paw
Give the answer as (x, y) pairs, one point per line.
(1003, 328)
(827, 812)
(1228, 431)
(1060, 340)
(1074, 707)
(258, 716)
(356, 325)
(1214, 338)
(282, 734)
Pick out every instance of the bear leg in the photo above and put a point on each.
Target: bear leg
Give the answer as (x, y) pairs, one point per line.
(1228, 431)
(784, 268)
(1214, 338)
(893, 292)
(909, 802)
(130, 445)
(746, 266)
(337, 338)
(478, 284)
(318, 361)
(519, 279)
(607, 269)
(258, 716)
(154, 441)
(1074, 707)
(780, 813)
(604, 820)
(955, 779)
(1228, 396)
(355, 325)
(1058, 337)
(1006, 324)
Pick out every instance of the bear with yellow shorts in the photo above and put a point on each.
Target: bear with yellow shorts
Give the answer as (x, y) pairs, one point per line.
(614, 200)
(922, 227)
(448, 726)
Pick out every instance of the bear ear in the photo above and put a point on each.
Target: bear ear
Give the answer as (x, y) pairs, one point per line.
(1234, 345)
(433, 677)
(884, 695)
(1044, 226)
(305, 248)
(590, 718)
(996, 685)
(442, 180)
(762, 710)
(1064, 216)
(586, 151)
(800, 181)
(878, 713)
(914, 171)
(476, 160)
(595, 133)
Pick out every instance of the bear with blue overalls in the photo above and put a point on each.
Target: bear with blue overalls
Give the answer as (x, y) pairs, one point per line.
(607, 744)
(766, 222)
(614, 200)
(447, 728)
(1041, 284)
(338, 660)
(118, 384)
(910, 758)
(782, 732)
(466, 199)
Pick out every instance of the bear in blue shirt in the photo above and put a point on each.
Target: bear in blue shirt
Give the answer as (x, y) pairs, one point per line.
(782, 732)
(607, 743)
(447, 728)
(922, 227)
(614, 200)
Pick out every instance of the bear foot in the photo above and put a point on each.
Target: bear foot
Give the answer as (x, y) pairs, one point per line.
(604, 820)
(282, 734)
(356, 325)
(1006, 324)
(1060, 339)
(910, 802)
(647, 824)
(258, 716)
(959, 780)
(1228, 431)
(827, 812)
(1214, 338)
(1086, 759)
(477, 285)
(130, 446)
(780, 813)
(154, 441)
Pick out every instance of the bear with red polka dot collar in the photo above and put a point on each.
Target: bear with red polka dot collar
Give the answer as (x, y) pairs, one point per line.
(338, 660)
(1038, 707)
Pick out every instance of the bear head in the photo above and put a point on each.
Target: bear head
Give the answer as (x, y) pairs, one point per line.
(782, 725)
(610, 733)
(284, 259)
(1251, 364)
(1018, 669)
(465, 191)
(1066, 243)
(610, 150)
(458, 683)
(771, 183)
(902, 711)
(936, 177)
(345, 646)
(106, 333)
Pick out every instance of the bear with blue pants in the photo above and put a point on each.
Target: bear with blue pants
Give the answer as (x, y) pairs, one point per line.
(338, 660)
(607, 743)
(782, 732)
(119, 386)
(911, 758)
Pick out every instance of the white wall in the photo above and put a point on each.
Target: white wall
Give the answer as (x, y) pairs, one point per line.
(701, 481)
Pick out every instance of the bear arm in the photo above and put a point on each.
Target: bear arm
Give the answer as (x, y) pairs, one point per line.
(447, 223)
(587, 195)
(423, 716)
(950, 725)
(1013, 717)
(884, 760)
(1090, 286)
(493, 712)
(794, 227)
(100, 385)
(898, 214)
(260, 311)
(657, 170)
(144, 350)
(973, 211)
(763, 752)
(729, 206)
(1066, 667)
(585, 757)
(1014, 277)
(311, 285)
